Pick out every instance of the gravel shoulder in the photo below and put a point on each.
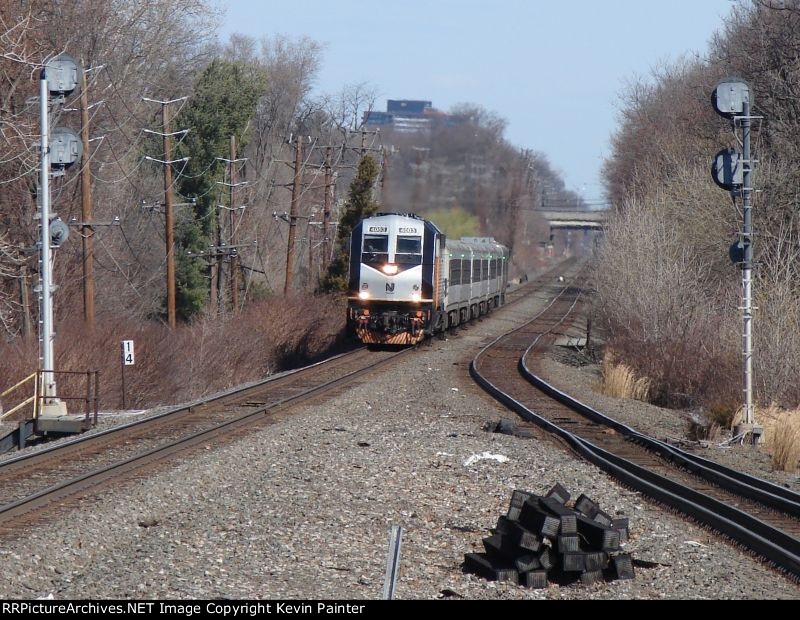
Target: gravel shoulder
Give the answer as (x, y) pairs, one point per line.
(573, 373)
(302, 508)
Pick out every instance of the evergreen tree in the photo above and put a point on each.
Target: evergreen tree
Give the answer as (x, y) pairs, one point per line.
(224, 101)
(358, 206)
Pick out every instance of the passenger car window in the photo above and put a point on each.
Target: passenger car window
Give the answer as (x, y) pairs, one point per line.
(455, 272)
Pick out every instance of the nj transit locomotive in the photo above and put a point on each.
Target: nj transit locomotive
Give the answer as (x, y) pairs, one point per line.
(407, 281)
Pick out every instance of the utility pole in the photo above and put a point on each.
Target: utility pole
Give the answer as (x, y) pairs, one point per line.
(232, 220)
(217, 274)
(384, 173)
(310, 240)
(214, 266)
(231, 249)
(169, 217)
(294, 210)
(364, 149)
(87, 232)
(326, 213)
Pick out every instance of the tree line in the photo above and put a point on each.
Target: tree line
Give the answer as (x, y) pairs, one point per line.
(256, 94)
(669, 295)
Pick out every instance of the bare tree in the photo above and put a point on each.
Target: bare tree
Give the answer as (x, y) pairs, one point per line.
(129, 50)
(347, 109)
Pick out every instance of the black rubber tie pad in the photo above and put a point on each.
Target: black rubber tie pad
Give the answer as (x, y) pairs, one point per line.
(566, 515)
(533, 518)
(611, 540)
(603, 518)
(527, 563)
(490, 568)
(560, 493)
(590, 577)
(623, 527)
(501, 545)
(573, 562)
(520, 497)
(596, 560)
(568, 543)
(623, 566)
(586, 506)
(535, 579)
(546, 559)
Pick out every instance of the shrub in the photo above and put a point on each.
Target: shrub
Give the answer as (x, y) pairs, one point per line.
(210, 354)
(722, 413)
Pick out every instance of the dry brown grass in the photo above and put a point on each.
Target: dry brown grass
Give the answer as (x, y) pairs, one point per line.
(210, 354)
(781, 436)
(619, 381)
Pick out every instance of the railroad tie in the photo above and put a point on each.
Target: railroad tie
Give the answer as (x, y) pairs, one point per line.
(543, 539)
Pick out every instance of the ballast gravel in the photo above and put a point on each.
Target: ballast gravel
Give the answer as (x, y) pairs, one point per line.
(577, 375)
(303, 508)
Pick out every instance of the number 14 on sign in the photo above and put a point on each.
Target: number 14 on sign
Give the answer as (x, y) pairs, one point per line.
(127, 353)
(127, 360)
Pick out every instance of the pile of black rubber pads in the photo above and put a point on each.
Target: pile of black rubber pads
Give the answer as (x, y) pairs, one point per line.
(543, 539)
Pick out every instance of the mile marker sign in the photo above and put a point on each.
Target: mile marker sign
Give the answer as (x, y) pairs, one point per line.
(127, 353)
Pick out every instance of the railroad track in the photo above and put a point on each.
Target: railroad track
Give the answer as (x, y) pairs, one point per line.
(758, 514)
(32, 483)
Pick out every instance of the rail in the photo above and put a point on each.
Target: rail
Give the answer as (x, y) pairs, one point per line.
(771, 543)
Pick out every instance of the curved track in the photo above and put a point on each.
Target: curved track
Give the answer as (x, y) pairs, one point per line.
(34, 481)
(755, 513)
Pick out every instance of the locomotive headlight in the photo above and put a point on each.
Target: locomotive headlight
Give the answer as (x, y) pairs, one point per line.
(363, 295)
(389, 270)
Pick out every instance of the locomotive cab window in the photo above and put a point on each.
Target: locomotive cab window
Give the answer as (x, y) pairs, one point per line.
(408, 251)
(375, 249)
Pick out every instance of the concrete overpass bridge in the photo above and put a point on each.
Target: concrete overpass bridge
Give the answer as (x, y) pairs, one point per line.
(575, 219)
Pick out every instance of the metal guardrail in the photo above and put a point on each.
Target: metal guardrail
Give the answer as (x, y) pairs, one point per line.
(91, 397)
(31, 399)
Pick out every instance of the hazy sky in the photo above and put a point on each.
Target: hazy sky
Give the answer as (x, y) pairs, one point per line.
(552, 69)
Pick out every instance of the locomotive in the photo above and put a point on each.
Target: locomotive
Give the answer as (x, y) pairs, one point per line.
(407, 281)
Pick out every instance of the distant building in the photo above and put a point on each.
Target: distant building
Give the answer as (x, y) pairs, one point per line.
(408, 116)
(408, 106)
